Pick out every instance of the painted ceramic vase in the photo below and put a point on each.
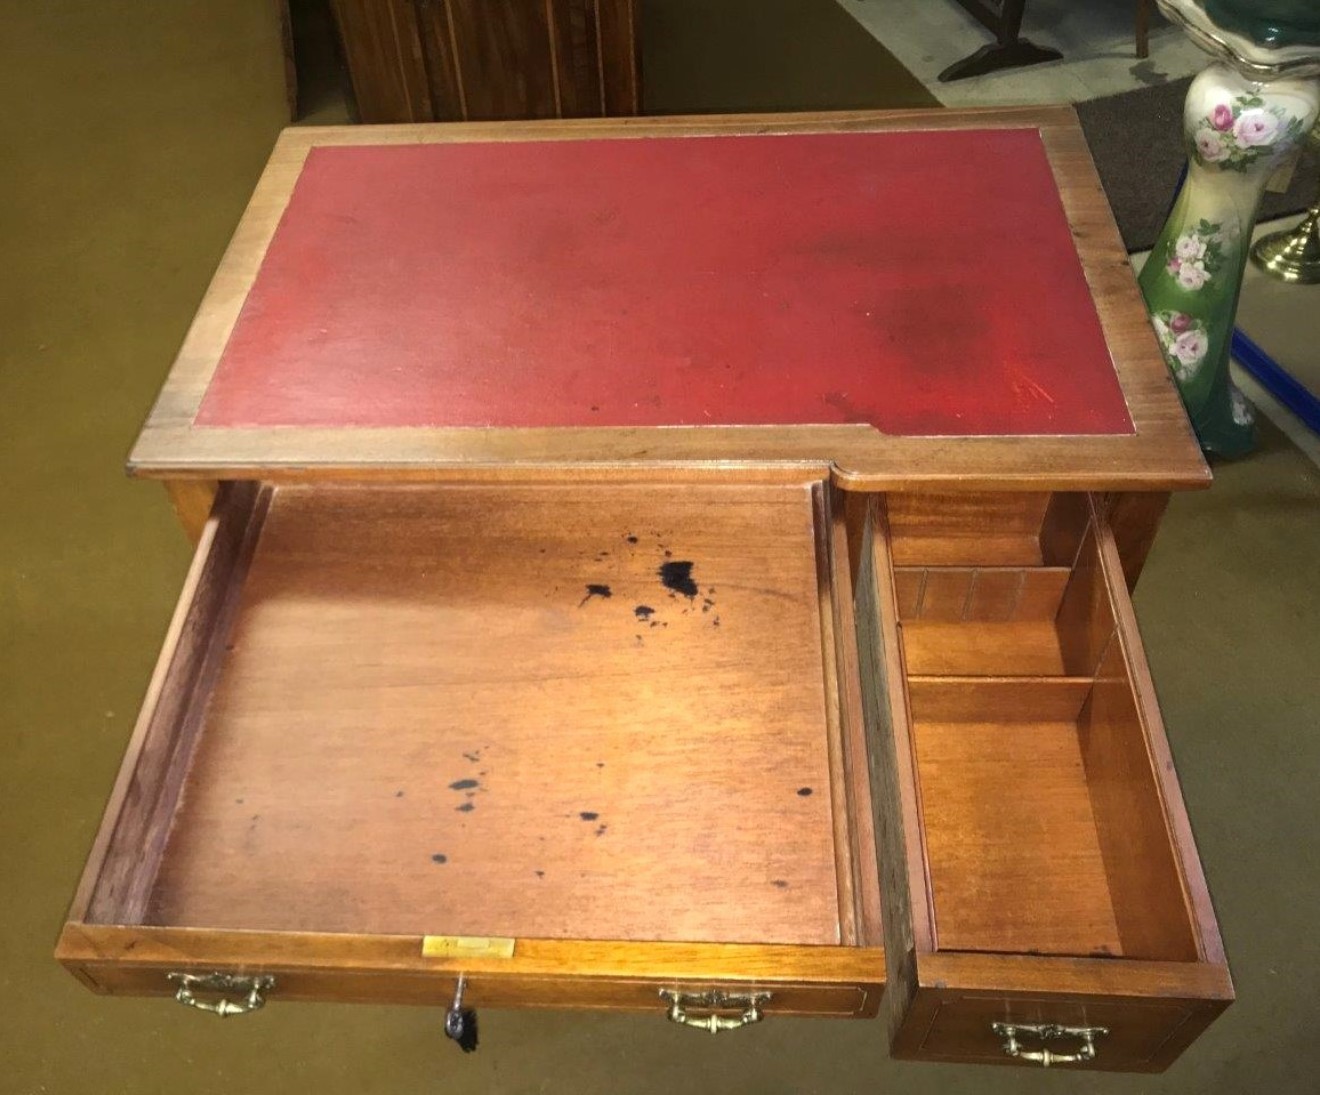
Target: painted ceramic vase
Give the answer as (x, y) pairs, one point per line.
(1238, 132)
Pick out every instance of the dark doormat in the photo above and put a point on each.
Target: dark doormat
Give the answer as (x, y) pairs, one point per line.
(713, 56)
(1136, 139)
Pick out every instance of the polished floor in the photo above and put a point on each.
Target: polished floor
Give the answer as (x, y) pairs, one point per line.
(132, 135)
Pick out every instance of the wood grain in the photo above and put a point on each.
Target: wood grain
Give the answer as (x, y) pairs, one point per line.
(1139, 1035)
(1010, 699)
(1015, 865)
(953, 648)
(1150, 904)
(383, 50)
(436, 641)
(1043, 828)
(192, 500)
(129, 844)
(506, 58)
(895, 793)
(1159, 757)
(1134, 518)
(957, 528)
(550, 973)
(979, 594)
(862, 845)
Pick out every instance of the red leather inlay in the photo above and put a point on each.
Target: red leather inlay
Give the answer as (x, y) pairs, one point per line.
(925, 283)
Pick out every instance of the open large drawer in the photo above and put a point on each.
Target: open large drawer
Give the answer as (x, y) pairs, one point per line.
(586, 745)
(613, 745)
(1043, 898)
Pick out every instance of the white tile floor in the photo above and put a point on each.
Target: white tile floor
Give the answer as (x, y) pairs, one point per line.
(1096, 37)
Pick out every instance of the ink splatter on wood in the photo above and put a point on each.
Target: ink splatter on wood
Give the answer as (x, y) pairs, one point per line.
(439, 857)
(595, 589)
(588, 815)
(803, 792)
(463, 785)
(466, 808)
(643, 612)
(676, 576)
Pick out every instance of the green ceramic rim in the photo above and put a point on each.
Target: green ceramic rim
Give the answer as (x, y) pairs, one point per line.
(1275, 24)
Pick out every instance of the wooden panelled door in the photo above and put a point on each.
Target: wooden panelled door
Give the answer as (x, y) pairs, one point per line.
(478, 60)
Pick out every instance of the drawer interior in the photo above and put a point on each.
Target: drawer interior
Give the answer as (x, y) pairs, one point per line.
(1043, 826)
(538, 710)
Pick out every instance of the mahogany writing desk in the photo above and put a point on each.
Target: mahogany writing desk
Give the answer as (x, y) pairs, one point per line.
(675, 564)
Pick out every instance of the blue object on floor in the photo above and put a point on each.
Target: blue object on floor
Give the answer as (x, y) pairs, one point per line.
(1280, 383)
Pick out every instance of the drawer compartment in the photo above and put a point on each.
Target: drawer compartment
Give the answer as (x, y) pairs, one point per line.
(615, 725)
(1040, 862)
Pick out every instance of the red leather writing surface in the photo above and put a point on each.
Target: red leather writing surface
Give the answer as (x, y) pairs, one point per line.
(925, 283)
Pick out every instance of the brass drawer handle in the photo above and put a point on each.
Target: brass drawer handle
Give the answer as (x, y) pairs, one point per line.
(1048, 1032)
(252, 990)
(679, 1002)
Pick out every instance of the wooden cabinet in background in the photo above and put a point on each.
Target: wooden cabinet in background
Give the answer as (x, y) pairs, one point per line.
(478, 60)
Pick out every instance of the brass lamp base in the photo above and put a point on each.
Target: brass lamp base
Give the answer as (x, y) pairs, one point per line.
(1293, 255)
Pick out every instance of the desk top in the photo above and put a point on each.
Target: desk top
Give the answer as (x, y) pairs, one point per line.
(904, 296)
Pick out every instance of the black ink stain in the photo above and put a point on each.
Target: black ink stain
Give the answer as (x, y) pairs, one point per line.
(779, 884)
(595, 590)
(643, 612)
(600, 830)
(631, 539)
(677, 577)
(466, 808)
(439, 857)
(803, 792)
(539, 874)
(588, 815)
(463, 784)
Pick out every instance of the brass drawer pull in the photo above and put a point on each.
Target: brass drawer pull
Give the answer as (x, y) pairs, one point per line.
(1048, 1032)
(750, 1003)
(251, 989)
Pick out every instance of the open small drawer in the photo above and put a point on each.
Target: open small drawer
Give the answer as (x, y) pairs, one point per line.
(585, 745)
(1043, 898)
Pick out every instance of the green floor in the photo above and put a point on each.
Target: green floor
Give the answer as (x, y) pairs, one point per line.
(131, 135)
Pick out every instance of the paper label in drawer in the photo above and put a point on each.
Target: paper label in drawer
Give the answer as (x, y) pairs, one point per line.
(466, 946)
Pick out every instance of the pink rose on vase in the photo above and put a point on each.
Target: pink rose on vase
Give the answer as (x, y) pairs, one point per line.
(1210, 146)
(1189, 248)
(1190, 348)
(1173, 266)
(1192, 275)
(1222, 118)
(1255, 128)
(1180, 322)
